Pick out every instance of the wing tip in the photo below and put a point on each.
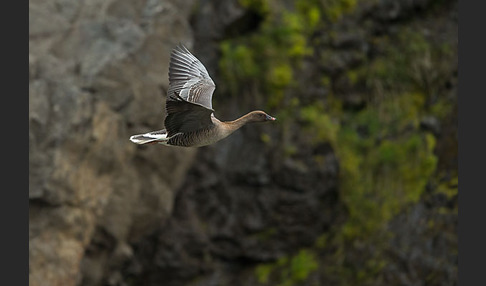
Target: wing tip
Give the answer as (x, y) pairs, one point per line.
(180, 47)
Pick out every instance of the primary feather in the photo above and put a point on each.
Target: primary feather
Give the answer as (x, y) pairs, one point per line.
(189, 79)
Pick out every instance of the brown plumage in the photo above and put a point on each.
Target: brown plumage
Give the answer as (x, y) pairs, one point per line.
(190, 120)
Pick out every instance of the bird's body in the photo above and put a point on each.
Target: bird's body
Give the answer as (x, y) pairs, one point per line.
(190, 120)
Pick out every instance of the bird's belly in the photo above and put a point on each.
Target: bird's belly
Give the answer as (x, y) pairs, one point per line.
(197, 139)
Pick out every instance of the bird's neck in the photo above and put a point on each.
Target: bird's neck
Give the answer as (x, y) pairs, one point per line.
(231, 126)
(238, 123)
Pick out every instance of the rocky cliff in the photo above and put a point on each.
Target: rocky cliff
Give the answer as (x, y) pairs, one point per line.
(96, 70)
(356, 184)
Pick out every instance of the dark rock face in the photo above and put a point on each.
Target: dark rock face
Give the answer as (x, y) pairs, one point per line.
(231, 215)
(418, 251)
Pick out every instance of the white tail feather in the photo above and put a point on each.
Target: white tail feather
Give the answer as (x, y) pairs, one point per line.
(150, 137)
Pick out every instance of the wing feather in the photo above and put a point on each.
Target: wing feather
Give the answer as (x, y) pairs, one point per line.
(189, 79)
(184, 116)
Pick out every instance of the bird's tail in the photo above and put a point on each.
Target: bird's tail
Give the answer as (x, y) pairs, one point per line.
(151, 137)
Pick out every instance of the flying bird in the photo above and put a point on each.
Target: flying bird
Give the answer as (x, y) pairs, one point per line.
(190, 120)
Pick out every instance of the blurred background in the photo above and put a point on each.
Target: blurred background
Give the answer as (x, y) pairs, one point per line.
(355, 184)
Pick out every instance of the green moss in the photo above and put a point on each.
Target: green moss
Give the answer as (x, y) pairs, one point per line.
(325, 81)
(389, 154)
(281, 41)
(319, 124)
(288, 270)
(263, 272)
(410, 63)
(280, 76)
(265, 138)
(310, 11)
(290, 150)
(442, 108)
(391, 175)
(353, 76)
(302, 265)
(449, 187)
(265, 234)
(335, 9)
(313, 16)
(386, 161)
(322, 240)
(239, 64)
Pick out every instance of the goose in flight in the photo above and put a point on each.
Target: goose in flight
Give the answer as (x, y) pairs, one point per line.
(190, 120)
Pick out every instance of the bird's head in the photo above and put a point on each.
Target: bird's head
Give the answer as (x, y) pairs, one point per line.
(260, 116)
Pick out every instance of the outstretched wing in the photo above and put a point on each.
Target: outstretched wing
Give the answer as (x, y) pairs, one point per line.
(189, 79)
(185, 117)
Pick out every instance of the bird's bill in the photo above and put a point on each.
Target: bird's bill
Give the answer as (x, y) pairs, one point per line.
(270, 118)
